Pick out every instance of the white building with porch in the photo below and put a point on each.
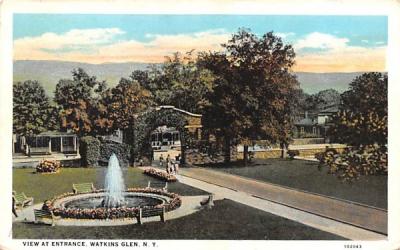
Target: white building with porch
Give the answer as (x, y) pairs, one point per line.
(49, 145)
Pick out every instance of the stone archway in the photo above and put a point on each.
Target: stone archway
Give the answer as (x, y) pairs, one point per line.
(169, 116)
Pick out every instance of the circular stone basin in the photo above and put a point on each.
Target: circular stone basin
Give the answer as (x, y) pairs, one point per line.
(131, 200)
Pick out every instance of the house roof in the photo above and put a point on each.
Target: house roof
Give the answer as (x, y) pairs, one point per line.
(55, 134)
(330, 110)
(176, 109)
(305, 121)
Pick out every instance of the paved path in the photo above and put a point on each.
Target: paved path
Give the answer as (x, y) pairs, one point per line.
(364, 217)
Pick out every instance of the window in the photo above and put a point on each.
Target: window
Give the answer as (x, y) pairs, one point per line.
(301, 129)
(314, 130)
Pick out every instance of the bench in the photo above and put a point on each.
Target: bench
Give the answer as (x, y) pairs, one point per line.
(44, 216)
(83, 188)
(158, 185)
(22, 200)
(150, 212)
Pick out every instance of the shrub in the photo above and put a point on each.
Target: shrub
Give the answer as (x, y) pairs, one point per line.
(353, 162)
(48, 166)
(90, 151)
(293, 153)
(121, 150)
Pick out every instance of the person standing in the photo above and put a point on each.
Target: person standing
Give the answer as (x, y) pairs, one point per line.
(161, 160)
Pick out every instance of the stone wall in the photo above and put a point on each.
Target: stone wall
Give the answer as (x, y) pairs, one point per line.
(273, 153)
(305, 141)
(276, 153)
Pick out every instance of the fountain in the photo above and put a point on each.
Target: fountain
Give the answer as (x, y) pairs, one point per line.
(113, 202)
(114, 184)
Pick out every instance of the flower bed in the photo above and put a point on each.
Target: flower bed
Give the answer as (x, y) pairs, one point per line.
(111, 213)
(48, 166)
(160, 174)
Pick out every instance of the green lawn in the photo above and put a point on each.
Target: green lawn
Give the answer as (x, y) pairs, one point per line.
(45, 186)
(227, 220)
(304, 175)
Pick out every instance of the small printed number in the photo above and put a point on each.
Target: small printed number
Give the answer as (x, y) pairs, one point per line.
(353, 246)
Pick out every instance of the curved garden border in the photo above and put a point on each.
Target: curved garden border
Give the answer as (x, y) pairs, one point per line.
(111, 213)
(160, 175)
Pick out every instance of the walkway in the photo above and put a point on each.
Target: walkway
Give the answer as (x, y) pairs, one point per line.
(351, 220)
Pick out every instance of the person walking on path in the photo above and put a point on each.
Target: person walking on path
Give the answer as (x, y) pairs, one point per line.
(161, 160)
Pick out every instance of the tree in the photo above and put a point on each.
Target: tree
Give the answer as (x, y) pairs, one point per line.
(178, 82)
(32, 111)
(361, 123)
(317, 102)
(363, 112)
(119, 107)
(77, 99)
(254, 91)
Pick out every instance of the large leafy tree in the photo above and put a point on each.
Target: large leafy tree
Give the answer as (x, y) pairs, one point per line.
(32, 111)
(361, 123)
(178, 82)
(254, 90)
(119, 107)
(78, 99)
(362, 119)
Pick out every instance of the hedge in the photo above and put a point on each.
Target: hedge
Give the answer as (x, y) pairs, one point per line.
(122, 150)
(90, 151)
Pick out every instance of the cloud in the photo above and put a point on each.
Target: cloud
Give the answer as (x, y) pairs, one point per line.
(318, 40)
(320, 52)
(316, 52)
(285, 35)
(347, 59)
(100, 45)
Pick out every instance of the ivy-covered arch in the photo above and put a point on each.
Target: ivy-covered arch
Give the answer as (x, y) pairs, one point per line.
(147, 122)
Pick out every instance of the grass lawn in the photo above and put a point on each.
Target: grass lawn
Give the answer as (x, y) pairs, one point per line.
(45, 186)
(227, 220)
(304, 175)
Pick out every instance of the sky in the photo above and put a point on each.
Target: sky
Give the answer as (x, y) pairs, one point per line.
(321, 43)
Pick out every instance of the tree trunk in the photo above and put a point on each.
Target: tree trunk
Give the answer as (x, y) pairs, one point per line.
(245, 154)
(183, 148)
(227, 149)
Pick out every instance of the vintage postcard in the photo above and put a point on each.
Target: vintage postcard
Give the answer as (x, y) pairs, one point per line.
(222, 125)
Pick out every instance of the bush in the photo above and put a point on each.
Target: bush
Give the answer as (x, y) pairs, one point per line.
(90, 151)
(121, 150)
(293, 153)
(353, 162)
(48, 166)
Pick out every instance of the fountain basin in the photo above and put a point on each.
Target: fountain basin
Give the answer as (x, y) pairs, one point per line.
(94, 200)
(88, 205)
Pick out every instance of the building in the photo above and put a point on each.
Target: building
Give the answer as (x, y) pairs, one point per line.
(193, 120)
(46, 143)
(165, 138)
(315, 125)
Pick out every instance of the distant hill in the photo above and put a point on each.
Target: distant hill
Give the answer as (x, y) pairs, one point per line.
(312, 83)
(48, 73)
